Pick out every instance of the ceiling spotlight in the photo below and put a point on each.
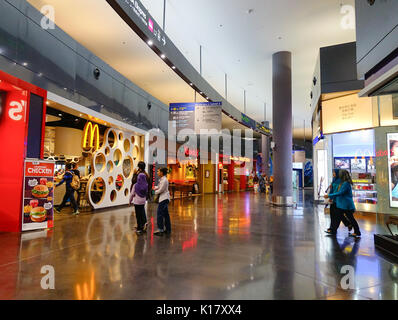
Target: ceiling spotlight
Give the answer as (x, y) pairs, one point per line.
(25, 64)
(207, 98)
(150, 42)
(201, 92)
(191, 84)
(173, 67)
(60, 114)
(162, 56)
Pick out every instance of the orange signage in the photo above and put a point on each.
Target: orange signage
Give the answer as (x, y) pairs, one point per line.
(91, 136)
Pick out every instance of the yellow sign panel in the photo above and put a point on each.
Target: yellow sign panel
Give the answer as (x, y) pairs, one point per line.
(346, 114)
(91, 136)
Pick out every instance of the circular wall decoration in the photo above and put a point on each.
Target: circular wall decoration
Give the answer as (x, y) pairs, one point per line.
(97, 190)
(128, 167)
(119, 182)
(136, 152)
(117, 157)
(113, 196)
(111, 137)
(126, 145)
(100, 162)
(109, 166)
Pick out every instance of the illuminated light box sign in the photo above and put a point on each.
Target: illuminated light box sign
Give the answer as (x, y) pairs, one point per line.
(392, 145)
(196, 116)
(346, 114)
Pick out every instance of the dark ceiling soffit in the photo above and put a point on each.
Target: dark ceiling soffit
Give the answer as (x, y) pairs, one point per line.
(145, 34)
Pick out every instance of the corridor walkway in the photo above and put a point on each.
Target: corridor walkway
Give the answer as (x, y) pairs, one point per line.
(233, 246)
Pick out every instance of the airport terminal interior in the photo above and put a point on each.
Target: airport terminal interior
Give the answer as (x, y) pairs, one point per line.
(183, 150)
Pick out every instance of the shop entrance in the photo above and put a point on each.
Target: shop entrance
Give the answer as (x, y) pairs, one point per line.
(104, 156)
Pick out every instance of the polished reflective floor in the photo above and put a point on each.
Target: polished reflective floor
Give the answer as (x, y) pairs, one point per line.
(233, 246)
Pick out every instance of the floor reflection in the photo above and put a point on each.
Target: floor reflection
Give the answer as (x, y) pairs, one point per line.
(231, 246)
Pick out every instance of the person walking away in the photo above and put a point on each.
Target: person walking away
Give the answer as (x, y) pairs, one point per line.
(333, 209)
(163, 217)
(255, 182)
(345, 204)
(138, 197)
(76, 172)
(69, 193)
(262, 184)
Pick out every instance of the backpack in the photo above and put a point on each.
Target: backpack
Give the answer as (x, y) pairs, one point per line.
(75, 184)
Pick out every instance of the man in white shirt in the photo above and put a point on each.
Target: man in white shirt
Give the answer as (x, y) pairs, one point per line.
(163, 217)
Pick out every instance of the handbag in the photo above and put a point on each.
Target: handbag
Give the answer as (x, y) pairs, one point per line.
(156, 198)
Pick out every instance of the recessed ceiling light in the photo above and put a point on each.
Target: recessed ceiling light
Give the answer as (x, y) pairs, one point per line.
(162, 56)
(201, 92)
(25, 64)
(173, 67)
(191, 84)
(150, 42)
(60, 114)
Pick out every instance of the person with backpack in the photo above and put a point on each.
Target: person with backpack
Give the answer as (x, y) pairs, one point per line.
(138, 197)
(72, 182)
(345, 204)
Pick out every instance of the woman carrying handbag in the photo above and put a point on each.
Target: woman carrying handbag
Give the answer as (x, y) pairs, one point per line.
(334, 187)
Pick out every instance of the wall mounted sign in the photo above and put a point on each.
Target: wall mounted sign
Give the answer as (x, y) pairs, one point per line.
(196, 116)
(346, 114)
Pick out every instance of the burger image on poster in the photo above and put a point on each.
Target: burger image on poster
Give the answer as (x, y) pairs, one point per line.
(38, 214)
(40, 191)
(112, 166)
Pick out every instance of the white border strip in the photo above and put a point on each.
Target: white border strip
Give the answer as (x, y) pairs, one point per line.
(70, 104)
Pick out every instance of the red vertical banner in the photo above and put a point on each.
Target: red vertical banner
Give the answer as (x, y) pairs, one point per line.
(14, 112)
(12, 137)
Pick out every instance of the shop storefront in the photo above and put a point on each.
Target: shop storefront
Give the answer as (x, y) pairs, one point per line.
(49, 131)
(343, 140)
(184, 176)
(105, 154)
(236, 173)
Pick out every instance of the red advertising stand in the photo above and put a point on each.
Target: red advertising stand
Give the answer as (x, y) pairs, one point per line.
(38, 195)
(14, 116)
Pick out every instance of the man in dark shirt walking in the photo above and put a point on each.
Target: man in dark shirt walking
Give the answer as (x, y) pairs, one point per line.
(70, 192)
